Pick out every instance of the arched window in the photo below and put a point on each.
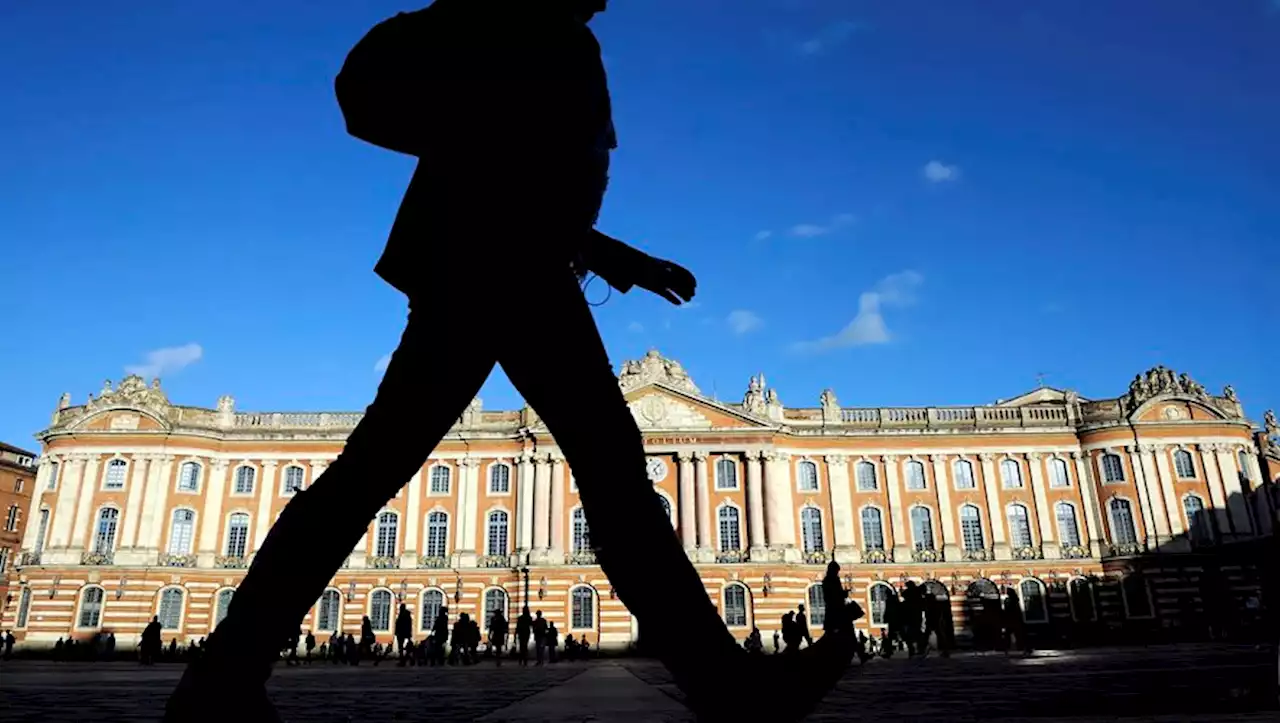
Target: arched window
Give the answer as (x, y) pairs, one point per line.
(1245, 472)
(730, 529)
(971, 528)
(1183, 463)
(114, 479)
(1197, 519)
(170, 613)
(581, 533)
(244, 480)
(53, 476)
(1019, 525)
(962, 470)
(42, 531)
(293, 479)
(385, 542)
(222, 605)
(181, 532)
(817, 606)
(494, 600)
(497, 533)
(1081, 595)
(726, 474)
(329, 614)
(922, 527)
(499, 479)
(1034, 606)
(91, 607)
(582, 608)
(807, 474)
(879, 594)
(735, 605)
(872, 529)
(1112, 468)
(1137, 596)
(238, 534)
(1058, 475)
(440, 480)
(1010, 474)
(104, 537)
(189, 477)
(915, 475)
(1123, 531)
(432, 601)
(1068, 529)
(811, 529)
(380, 610)
(24, 607)
(666, 507)
(866, 475)
(437, 534)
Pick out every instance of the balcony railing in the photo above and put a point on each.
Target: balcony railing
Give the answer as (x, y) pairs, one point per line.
(732, 557)
(1124, 549)
(1075, 552)
(170, 560)
(1029, 552)
(230, 562)
(978, 555)
(432, 562)
(385, 562)
(581, 558)
(876, 555)
(29, 558)
(97, 558)
(817, 557)
(493, 561)
(926, 555)
(951, 417)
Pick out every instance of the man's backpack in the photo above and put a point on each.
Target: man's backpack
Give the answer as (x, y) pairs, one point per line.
(384, 83)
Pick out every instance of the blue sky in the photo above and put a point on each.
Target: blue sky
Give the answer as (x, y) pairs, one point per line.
(910, 202)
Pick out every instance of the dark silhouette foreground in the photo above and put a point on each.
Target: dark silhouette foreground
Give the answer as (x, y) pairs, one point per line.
(489, 245)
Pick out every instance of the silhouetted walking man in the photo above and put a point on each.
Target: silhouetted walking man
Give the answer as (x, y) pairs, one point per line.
(509, 110)
(524, 628)
(404, 629)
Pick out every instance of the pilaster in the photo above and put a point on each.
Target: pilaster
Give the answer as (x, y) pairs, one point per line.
(846, 543)
(211, 521)
(702, 488)
(897, 527)
(524, 506)
(1049, 546)
(686, 505)
(995, 510)
(1091, 515)
(267, 491)
(946, 508)
(555, 554)
(756, 541)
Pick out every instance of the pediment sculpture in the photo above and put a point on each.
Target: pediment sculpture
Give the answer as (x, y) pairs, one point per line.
(132, 392)
(655, 368)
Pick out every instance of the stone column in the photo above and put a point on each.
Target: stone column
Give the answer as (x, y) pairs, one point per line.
(705, 524)
(1217, 495)
(1151, 480)
(412, 522)
(266, 492)
(64, 511)
(946, 509)
(1237, 508)
(468, 511)
(1172, 505)
(557, 547)
(156, 505)
(756, 540)
(1149, 533)
(898, 529)
(1091, 515)
(541, 510)
(686, 505)
(81, 530)
(1261, 501)
(995, 511)
(211, 520)
(31, 531)
(846, 548)
(524, 507)
(779, 507)
(132, 514)
(1048, 536)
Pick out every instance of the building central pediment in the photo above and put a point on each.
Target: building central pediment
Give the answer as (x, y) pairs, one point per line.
(657, 407)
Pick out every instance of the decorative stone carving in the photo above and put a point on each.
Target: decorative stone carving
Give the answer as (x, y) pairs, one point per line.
(98, 558)
(1160, 381)
(1271, 436)
(830, 406)
(169, 560)
(658, 411)
(433, 563)
(876, 556)
(754, 400)
(1027, 553)
(125, 421)
(1229, 392)
(926, 556)
(132, 392)
(230, 561)
(64, 401)
(655, 368)
(1075, 552)
(471, 415)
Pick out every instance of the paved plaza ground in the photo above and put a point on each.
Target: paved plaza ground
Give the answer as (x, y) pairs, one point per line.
(1209, 683)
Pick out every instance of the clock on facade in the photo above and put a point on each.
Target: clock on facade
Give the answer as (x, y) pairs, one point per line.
(657, 469)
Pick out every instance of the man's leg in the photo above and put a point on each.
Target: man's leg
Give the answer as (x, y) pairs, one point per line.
(422, 394)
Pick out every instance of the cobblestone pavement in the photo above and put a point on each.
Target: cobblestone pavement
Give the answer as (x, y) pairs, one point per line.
(1161, 684)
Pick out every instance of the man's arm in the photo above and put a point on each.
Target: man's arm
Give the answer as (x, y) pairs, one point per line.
(624, 267)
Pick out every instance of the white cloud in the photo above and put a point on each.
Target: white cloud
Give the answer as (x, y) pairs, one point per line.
(868, 326)
(810, 230)
(742, 321)
(635, 327)
(167, 360)
(939, 172)
(762, 235)
(380, 366)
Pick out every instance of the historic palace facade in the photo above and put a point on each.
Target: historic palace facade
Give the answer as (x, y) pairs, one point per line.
(142, 507)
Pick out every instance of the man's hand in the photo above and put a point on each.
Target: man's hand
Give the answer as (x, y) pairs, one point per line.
(667, 279)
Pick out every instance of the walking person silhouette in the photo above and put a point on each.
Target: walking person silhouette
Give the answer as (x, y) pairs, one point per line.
(506, 104)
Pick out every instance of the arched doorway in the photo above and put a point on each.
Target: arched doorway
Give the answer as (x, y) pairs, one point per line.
(982, 613)
(938, 618)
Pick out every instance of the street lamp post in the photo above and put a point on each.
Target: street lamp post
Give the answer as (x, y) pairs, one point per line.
(525, 572)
